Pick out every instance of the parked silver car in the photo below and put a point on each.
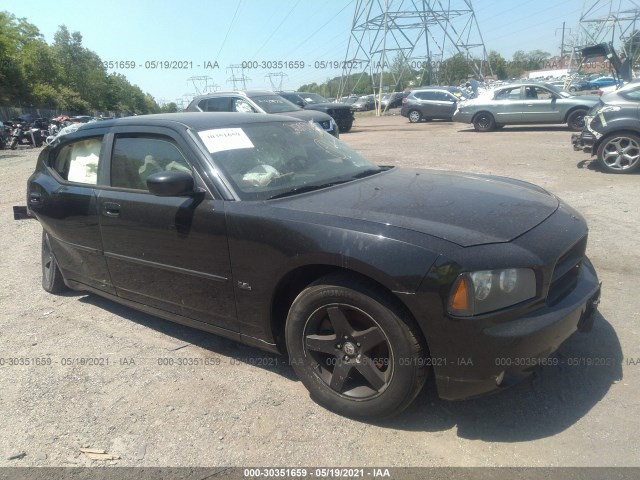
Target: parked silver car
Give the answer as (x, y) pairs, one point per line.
(524, 103)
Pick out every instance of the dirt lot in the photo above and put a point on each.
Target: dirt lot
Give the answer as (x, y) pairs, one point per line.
(247, 408)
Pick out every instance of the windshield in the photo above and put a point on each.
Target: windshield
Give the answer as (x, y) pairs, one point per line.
(275, 104)
(313, 98)
(557, 90)
(269, 159)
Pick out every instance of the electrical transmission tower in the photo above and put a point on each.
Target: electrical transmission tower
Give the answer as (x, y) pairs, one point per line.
(237, 79)
(612, 21)
(407, 41)
(203, 84)
(276, 79)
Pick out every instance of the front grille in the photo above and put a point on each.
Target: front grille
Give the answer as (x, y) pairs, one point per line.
(565, 273)
(337, 113)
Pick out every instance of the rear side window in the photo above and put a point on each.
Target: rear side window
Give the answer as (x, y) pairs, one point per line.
(78, 161)
(136, 158)
(217, 104)
(429, 95)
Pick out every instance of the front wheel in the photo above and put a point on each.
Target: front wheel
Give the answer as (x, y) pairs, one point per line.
(345, 127)
(14, 143)
(575, 120)
(52, 280)
(620, 153)
(353, 349)
(415, 116)
(484, 122)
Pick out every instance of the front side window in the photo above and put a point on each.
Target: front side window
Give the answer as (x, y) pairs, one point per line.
(242, 106)
(136, 158)
(78, 161)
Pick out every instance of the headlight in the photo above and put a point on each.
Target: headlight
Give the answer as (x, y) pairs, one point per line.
(484, 291)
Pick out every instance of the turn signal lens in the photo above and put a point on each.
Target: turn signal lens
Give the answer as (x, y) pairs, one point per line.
(460, 299)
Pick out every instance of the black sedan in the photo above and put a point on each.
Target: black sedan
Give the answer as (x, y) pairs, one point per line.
(269, 231)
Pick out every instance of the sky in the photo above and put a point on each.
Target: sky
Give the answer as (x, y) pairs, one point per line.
(208, 36)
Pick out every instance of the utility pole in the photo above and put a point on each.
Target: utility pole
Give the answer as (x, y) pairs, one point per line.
(562, 44)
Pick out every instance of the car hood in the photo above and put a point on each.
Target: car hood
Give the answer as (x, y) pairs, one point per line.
(465, 209)
(327, 106)
(308, 115)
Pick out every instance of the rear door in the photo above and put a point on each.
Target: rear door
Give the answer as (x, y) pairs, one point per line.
(167, 252)
(63, 198)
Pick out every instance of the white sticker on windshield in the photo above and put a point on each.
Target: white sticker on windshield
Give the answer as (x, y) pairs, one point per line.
(222, 139)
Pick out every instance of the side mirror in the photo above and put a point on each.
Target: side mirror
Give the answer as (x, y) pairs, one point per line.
(171, 184)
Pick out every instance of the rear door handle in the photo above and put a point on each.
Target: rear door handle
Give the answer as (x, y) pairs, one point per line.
(111, 209)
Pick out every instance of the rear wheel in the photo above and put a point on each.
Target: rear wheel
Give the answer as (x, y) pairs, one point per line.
(414, 116)
(575, 120)
(52, 280)
(353, 349)
(484, 122)
(620, 153)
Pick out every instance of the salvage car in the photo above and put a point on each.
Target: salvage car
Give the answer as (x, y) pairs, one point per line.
(266, 230)
(340, 112)
(260, 101)
(525, 103)
(431, 103)
(612, 131)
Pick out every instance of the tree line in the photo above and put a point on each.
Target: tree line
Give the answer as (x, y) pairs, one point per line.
(64, 75)
(402, 73)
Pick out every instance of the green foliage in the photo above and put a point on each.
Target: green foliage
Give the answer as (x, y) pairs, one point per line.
(63, 75)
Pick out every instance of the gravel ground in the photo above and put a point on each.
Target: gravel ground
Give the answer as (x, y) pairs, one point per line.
(145, 403)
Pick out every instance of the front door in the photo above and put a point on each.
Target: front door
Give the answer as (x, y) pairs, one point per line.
(167, 252)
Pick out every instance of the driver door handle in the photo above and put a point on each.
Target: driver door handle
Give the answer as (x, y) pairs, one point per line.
(111, 209)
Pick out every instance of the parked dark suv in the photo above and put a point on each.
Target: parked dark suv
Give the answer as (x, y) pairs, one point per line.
(612, 131)
(431, 103)
(340, 112)
(260, 101)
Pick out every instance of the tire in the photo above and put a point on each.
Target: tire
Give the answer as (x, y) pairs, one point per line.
(484, 122)
(620, 153)
(573, 89)
(14, 143)
(353, 349)
(575, 120)
(345, 127)
(414, 116)
(52, 280)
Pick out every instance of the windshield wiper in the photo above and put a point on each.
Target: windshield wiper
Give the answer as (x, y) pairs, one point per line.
(306, 188)
(366, 173)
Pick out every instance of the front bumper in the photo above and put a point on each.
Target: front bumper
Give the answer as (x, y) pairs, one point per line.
(505, 353)
(462, 117)
(583, 142)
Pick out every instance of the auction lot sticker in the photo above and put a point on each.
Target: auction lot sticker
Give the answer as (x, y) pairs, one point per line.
(221, 139)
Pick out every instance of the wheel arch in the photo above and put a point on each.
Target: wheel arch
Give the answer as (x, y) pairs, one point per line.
(573, 109)
(475, 115)
(612, 133)
(299, 278)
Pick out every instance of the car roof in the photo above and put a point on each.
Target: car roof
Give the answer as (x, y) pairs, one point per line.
(194, 120)
(247, 93)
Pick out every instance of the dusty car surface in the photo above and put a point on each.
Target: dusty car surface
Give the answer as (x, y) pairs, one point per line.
(524, 103)
(267, 230)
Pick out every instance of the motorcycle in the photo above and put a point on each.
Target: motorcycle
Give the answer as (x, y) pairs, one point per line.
(25, 134)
